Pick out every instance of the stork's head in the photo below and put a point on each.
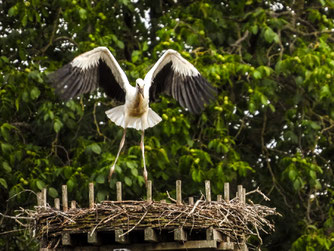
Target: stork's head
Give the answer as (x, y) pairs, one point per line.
(140, 86)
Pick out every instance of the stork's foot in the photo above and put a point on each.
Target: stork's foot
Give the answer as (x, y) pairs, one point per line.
(145, 176)
(112, 169)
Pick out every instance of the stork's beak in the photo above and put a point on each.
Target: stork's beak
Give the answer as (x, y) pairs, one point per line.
(141, 91)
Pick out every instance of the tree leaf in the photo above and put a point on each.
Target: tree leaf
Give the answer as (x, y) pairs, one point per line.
(53, 192)
(3, 183)
(40, 184)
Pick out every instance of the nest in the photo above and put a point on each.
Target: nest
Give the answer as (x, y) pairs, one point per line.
(233, 218)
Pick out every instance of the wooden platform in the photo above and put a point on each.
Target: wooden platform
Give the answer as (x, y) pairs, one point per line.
(134, 238)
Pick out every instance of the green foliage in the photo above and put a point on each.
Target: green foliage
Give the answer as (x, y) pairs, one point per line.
(271, 125)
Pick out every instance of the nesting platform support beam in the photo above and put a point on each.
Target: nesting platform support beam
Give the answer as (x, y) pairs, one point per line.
(213, 239)
(150, 235)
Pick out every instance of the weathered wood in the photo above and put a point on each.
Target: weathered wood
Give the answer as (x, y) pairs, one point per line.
(240, 191)
(178, 192)
(91, 195)
(191, 200)
(120, 238)
(204, 244)
(44, 197)
(39, 199)
(227, 191)
(219, 198)
(244, 194)
(93, 238)
(149, 191)
(64, 197)
(150, 235)
(208, 191)
(57, 203)
(226, 246)
(163, 201)
(180, 234)
(119, 191)
(66, 239)
(73, 204)
(213, 234)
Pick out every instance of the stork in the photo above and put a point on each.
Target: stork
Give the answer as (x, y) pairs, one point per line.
(171, 74)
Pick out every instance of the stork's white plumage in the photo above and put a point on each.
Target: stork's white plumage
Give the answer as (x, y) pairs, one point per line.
(171, 74)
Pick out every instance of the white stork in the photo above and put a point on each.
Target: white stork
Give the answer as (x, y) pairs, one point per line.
(171, 74)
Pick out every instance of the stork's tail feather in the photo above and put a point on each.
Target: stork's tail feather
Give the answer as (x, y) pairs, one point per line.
(152, 118)
(116, 115)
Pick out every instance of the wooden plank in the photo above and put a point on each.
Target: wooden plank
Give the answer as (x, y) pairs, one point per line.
(180, 234)
(204, 244)
(120, 238)
(208, 191)
(150, 235)
(119, 191)
(64, 197)
(149, 191)
(213, 234)
(66, 239)
(91, 195)
(178, 192)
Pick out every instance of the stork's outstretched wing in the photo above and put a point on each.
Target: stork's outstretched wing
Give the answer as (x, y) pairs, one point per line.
(86, 72)
(175, 76)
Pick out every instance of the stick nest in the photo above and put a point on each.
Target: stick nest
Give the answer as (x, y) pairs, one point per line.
(234, 218)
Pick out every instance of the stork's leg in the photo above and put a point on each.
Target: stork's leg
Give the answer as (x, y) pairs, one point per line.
(121, 144)
(142, 147)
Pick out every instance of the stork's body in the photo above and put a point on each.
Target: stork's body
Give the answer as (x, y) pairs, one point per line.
(171, 74)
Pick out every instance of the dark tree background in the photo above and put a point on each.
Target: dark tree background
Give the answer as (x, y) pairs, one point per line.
(270, 127)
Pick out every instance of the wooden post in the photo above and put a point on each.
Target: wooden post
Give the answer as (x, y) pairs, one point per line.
(219, 198)
(123, 239)
(150, 235)
(244, 194)
(149, 191)
(178, 192)
(163, 201)
(73, 204)
(91, 195)
(207, 191)
(227, 199)
(227, 191)
(64, 197)
(119, 190)
(66, 239)
(44, 197)
(191, 200)
(93, 238)
(240, 192)
(39, 199)
(180, 234)
(213, 234)
(57, 203)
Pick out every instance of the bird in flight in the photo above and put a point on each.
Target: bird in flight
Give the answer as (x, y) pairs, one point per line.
(171, 74)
